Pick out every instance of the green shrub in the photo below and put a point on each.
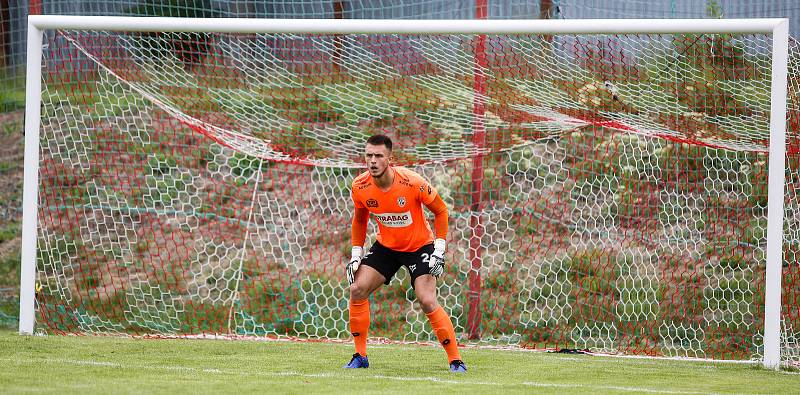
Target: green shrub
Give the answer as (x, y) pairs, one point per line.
(12, 93)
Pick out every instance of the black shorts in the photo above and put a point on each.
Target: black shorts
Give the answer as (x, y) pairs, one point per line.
(387, 261)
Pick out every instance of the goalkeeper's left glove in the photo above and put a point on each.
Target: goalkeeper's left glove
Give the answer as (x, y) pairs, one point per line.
(437, 258)
(355, 262)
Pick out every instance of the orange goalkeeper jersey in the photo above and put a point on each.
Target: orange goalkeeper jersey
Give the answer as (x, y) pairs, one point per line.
(402, 225)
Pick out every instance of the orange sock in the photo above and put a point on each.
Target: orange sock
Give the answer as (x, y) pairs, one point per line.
(359, 324)
(443, 327)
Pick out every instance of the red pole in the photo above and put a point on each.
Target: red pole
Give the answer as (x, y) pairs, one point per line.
(338, 13)
(35, 7)
(479, 139)
(546, 12)
(545, 9)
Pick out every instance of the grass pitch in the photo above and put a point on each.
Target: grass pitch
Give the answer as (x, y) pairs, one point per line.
(56, 364)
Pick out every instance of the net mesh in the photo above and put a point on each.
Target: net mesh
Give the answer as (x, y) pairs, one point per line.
(606, 192)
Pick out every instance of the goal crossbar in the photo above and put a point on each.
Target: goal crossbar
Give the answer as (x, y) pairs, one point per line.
(419, 27)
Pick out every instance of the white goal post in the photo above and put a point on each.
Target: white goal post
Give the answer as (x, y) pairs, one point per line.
(776, 28)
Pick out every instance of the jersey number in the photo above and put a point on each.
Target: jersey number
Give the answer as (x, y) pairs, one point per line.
(426, 258)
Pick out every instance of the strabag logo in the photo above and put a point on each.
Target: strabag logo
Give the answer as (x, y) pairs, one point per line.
(394, 220)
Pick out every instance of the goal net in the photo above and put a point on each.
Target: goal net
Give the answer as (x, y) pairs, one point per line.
(606, 191)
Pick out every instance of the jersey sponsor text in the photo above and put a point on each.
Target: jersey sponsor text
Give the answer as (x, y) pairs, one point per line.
(394, 220)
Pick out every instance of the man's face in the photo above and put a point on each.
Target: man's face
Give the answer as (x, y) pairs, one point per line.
(377, 158)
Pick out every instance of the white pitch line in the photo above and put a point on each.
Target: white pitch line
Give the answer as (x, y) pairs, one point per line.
(338, 376)
(438, 380)
(614, 387)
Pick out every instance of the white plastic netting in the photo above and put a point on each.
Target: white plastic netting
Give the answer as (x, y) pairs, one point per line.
(606, 192)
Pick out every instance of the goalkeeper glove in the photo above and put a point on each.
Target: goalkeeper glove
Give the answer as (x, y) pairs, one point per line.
(437, 258)
(355, 261)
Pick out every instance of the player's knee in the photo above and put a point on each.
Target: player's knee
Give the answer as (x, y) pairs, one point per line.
(358, 291)
(428, 304)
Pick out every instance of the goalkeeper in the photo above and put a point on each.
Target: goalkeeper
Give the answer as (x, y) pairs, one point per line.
(394, 196)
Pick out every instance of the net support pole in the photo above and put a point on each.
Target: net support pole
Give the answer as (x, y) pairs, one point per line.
(479, 139)
(30, 196)
(338, 13)
(775, 195)
(34, 7)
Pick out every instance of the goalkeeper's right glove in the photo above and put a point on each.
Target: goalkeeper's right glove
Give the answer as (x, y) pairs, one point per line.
(355, 261)
(437, 258)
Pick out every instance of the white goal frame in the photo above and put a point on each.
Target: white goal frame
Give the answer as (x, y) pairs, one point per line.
(777, 28)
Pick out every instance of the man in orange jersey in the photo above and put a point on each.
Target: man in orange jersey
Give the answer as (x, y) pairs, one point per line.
(394, 196)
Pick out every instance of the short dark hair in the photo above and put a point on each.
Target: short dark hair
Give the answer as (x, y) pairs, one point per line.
(380, 139)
